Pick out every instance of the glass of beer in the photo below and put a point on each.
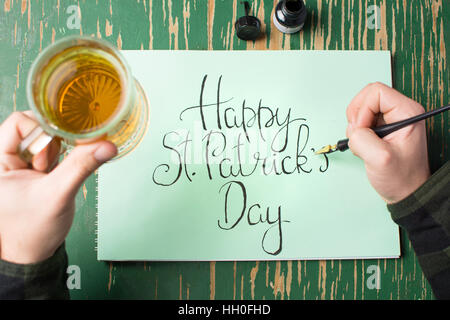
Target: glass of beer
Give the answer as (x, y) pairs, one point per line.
(81, 90)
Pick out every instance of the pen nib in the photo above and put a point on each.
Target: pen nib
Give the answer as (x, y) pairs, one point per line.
(327, 149)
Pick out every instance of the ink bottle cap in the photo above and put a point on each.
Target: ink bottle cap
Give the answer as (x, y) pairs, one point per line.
(248, 27)
(290, 16)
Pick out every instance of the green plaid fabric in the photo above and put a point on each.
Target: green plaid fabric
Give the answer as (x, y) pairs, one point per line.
(425, 215)
(43, 280)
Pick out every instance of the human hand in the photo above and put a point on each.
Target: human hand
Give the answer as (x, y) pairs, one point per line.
(397, 164)
(37, 204)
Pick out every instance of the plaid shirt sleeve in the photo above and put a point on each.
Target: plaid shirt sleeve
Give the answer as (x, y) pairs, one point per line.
(43, 280)
(425, 215)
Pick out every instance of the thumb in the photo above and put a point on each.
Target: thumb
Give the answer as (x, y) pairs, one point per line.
(82, 161)
(365, 144)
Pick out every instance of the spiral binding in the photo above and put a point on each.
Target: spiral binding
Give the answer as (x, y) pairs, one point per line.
(96, 212)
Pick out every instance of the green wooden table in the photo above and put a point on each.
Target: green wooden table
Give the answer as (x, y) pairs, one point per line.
(416, 32)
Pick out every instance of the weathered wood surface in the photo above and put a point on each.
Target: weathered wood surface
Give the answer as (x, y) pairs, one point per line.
(417, 33)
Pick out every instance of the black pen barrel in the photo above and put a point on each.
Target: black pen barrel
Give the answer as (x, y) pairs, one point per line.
(383, 131)
(386, 129)
(342, 145)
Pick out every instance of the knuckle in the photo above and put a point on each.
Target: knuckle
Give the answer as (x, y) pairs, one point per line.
(413, 108)
(348, 132)
(384, 157)
(349, 112)
(418, 109)
(355, 133)
(18, 119)
(16, 116)
(353, 147)
(377, 85)
(11, 121)
(84, 165)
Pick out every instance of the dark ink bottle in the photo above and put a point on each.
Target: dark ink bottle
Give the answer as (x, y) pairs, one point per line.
(290, 16)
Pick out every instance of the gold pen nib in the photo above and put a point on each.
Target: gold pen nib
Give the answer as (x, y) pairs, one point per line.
(327, 149)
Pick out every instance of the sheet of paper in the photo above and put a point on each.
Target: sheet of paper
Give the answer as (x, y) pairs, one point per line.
(227, 171)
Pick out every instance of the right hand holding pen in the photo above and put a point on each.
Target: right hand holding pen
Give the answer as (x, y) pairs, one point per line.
(397, 164)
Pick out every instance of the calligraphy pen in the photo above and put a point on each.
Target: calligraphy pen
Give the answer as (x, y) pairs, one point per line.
(384, 130)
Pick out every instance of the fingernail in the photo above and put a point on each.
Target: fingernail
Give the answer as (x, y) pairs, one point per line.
(105, 152)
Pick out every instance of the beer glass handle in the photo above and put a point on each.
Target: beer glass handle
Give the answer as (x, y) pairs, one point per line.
(33, 143)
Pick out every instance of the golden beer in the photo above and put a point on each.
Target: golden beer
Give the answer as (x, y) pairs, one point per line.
(81, 89)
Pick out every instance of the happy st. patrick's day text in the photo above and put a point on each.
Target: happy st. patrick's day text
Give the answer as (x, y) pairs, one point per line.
(262, 124)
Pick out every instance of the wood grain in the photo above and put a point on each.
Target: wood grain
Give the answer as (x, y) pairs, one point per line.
(417, 34)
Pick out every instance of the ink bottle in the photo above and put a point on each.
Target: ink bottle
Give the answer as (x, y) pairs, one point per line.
(290, 16)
